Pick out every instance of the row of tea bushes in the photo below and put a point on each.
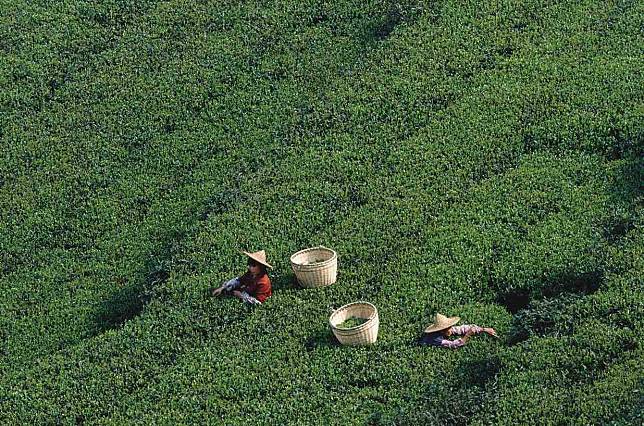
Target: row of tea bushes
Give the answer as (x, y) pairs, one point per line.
(428, 143)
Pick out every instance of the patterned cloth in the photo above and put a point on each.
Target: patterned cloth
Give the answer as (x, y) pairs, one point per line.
(438, 339)
(232, 284)
(255, 290)
(250, 299)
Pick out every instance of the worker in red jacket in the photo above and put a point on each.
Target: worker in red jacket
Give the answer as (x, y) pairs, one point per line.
(254, 286)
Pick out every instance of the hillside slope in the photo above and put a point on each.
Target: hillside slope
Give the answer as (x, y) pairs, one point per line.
(481, 159)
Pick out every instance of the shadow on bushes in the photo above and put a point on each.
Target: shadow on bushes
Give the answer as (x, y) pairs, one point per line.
(621, 143)
(129, 302)
(617, 229)
(286, 281)
(624, 197)
(322, 339)
(585, 283)
(400, 12)
(478, 372)
(544, 316)
(223, 202)
(514, 300)
(543, 309)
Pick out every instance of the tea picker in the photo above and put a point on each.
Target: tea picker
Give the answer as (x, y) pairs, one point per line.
(438, 332)
(254, 286)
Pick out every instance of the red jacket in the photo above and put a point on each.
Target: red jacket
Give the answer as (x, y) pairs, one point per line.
(260, 287)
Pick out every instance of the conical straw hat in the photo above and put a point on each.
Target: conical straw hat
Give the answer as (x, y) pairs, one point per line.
(259, 256)
(441, 323)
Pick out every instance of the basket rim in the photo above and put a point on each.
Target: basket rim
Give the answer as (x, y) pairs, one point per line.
(333, 257)
(347, 332)
(367, 324)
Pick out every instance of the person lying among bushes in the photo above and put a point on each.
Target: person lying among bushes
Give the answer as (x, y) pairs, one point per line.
(254, 286)
(438, 333)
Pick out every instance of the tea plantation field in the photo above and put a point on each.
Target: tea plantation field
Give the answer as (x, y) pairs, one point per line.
(473, 158)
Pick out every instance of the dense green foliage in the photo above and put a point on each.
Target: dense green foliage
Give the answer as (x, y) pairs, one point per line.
(480, 159)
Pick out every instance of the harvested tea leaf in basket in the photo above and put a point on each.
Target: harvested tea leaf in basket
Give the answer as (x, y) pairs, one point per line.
(352, 322)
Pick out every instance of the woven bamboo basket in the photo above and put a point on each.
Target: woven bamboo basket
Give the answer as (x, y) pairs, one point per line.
(315, 267)
(363, 334)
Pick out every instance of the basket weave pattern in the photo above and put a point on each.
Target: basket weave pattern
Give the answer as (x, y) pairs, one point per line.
(363, 334)
(315, 267)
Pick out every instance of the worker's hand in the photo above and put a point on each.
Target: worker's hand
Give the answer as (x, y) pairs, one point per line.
(491, 332)
(238, 294)
(217, 291)
(467, 336)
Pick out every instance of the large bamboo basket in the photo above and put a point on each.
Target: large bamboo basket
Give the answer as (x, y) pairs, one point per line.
(363, 334)
(315, 267)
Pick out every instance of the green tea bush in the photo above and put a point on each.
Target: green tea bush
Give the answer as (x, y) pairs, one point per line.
(473, 159)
